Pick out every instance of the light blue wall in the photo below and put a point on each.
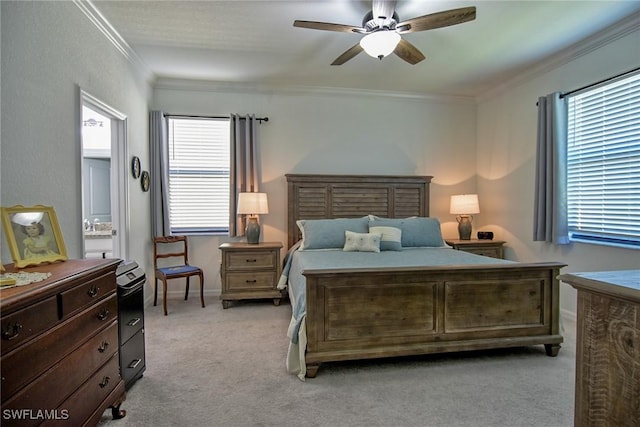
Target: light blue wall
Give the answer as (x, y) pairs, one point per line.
(49, 51)
(506, 147)
(344, 132)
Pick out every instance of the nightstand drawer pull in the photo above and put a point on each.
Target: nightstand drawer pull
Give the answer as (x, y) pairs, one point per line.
(250, 281)
(251, 260)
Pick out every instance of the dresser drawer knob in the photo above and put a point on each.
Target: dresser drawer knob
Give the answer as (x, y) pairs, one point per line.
(103, 347)
(103, 314)
(105, 382)
(252, 260)
(11, 330)
(93, 291)
(250, 281)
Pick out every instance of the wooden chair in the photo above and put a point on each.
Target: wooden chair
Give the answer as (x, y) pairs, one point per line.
(173, 247)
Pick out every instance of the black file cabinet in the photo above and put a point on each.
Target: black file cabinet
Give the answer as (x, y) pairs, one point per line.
(131, 279)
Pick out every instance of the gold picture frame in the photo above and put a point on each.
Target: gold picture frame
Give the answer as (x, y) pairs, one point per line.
(33, 235)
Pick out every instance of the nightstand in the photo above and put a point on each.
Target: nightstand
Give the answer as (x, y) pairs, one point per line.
(250, 271)
(490, 248)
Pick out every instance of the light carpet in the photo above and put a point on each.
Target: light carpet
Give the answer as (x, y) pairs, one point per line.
(215, 367)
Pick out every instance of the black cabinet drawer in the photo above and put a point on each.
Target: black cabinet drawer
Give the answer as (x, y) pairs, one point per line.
(132, 359)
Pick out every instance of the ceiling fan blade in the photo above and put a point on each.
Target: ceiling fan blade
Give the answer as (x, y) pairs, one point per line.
(348, 54)
(328, 26)
(437, 20)
(408, 52)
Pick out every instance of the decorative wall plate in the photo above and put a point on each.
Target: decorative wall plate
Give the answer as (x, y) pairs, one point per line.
(135, 167)
(145, 181)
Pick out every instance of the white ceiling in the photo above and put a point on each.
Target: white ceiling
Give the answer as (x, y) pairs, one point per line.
(255, 43)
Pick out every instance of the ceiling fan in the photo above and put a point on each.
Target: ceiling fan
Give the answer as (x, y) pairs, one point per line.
(382, 30)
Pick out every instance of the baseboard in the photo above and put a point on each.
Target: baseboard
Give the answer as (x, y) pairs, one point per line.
(179, 294)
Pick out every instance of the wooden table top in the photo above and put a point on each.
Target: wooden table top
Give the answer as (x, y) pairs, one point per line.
(622, 283)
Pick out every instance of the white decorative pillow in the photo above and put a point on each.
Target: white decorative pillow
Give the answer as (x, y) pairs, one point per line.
(361, 242)
(391, 239)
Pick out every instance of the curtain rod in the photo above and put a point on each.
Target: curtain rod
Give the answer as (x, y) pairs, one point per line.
(259, 119)
(562, 95)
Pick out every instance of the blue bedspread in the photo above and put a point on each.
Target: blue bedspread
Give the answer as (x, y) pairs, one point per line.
(298, 261)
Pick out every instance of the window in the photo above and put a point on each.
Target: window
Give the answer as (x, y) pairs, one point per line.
(198, 175)
(603, 174)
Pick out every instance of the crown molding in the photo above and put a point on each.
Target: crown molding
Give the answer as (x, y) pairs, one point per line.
(621, 29)
(270, 89)
(104, 26)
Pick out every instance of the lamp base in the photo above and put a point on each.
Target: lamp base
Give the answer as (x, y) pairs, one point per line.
(464, 227)
(252, 231)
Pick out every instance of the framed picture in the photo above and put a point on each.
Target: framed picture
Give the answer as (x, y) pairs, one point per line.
(135, 167)
(33, 235)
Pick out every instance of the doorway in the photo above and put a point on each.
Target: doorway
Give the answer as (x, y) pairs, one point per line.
(104, 184)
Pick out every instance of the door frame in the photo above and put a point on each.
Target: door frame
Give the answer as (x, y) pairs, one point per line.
(119, 172)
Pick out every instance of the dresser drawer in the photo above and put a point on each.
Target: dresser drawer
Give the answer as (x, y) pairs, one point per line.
(250, 281)
(88, 293)
(51, 388)
(247, 260)
(22, 325)
(43, 352)
(81, 405)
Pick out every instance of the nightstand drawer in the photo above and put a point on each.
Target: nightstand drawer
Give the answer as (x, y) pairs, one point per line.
(250, 260)
(490, 252)
(490, 248)
(253, 281)
(250, 271)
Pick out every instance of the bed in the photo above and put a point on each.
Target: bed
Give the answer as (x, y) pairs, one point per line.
(418, 298)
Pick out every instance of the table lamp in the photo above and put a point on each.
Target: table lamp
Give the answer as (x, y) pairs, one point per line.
(252, 205)
(464, 205)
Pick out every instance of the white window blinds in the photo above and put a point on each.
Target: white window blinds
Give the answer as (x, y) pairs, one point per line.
(199, 174)
(603, 175)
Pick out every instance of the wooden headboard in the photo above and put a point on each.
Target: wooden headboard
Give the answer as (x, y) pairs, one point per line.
(350, 196)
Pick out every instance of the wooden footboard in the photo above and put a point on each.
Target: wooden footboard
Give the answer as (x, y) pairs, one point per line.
(366, 313)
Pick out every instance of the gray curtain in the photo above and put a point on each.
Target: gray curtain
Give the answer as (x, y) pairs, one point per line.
(159, 174)
(550, 211)
(244, 166)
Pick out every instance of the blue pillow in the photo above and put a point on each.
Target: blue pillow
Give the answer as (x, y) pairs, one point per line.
(329, 233)
(416, 231)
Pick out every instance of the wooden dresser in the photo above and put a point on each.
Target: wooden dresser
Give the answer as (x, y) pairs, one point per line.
(250, 271)
(60, 346)
(607, 348)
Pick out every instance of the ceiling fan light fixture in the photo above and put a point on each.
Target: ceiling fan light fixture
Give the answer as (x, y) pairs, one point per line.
(380, 43)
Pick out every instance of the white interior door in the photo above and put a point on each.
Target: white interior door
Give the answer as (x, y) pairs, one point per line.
(104, 186)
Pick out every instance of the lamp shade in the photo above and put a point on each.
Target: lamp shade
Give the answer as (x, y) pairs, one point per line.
(464, 204)
(381, 43)
(252, 204)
